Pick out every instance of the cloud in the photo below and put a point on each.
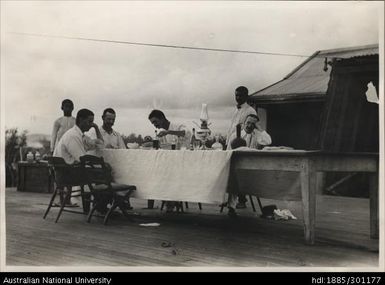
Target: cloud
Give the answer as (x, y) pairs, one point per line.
(38, 73)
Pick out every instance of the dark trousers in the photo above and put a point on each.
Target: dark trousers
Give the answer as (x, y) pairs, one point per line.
(150, 204)
(242, 198)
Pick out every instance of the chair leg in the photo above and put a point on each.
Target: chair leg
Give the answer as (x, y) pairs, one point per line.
(91, 212)
(63, 202)
(252, 203)
(150, 204)
(186, 205)
(200, 206)
(180, 207)
(260, 204)
(50, 203)
(126, 215)
(113, 207)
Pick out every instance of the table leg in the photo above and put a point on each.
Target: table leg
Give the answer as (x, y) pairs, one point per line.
(373, 192)
(308, 188)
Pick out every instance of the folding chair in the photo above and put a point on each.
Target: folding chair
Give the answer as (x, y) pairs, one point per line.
(103, 190)
(66, 176)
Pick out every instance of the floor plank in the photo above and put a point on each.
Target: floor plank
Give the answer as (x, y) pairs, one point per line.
(196, 238)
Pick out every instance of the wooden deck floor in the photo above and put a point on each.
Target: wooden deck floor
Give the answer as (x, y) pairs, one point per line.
(206, 238)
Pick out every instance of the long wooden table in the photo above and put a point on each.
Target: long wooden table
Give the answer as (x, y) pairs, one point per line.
(308, 164)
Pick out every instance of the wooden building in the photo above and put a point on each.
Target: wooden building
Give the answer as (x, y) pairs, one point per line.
(322, 104)
(296, 104)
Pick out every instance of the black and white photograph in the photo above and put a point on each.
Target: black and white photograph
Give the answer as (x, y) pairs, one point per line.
(192, 136)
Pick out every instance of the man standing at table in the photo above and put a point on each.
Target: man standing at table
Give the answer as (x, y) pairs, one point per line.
(62, 124)
(241, 112)
(169, 133)
(255, 137)
(239, 117)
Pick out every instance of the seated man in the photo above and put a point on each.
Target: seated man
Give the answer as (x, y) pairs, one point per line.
(255, 137)
(74, 144)
(111, 138)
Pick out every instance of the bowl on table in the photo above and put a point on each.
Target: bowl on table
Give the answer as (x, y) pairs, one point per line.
(132, 145)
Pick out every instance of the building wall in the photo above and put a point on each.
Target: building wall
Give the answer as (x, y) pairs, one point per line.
(294, 124)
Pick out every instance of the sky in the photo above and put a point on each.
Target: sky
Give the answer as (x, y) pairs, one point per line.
(37, 73)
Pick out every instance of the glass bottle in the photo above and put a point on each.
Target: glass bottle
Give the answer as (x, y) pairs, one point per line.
(238, 141)
(217, 145)
(30, 156)
(155, 141)
(37, 156)
(193, 140)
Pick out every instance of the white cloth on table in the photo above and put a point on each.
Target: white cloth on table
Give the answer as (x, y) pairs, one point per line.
(190, 176)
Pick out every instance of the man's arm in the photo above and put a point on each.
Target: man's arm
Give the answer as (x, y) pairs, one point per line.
(181, 133)
(263, 138)
(91, 143)
(121, 142)
(75, 148)
(97, 131)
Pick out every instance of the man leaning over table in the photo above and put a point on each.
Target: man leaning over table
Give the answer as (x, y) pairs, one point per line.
(169, 133)
(74, 143)
(255, 137)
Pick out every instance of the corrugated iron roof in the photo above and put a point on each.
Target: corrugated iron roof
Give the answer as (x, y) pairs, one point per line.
(310, 77)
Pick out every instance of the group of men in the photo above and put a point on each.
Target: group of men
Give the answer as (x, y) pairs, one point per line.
(70, 142)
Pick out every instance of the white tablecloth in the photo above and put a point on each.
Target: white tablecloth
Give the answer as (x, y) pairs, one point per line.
(182, 175)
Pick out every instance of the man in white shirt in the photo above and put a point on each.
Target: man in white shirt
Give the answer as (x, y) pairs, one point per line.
(111, 138)
(255, 137)
(74, 143)
(241, 112)
(252, 133)
(169, 133)
(62, 124)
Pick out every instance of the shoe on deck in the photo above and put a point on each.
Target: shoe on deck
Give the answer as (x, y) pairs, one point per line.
(231, 213)
(241, 205)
